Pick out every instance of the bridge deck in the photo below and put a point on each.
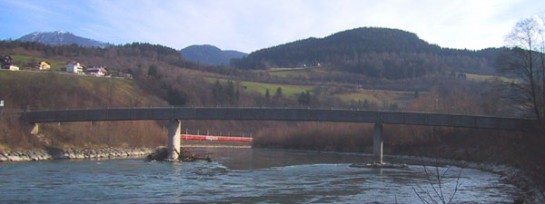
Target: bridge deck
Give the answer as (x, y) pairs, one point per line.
(277, 114)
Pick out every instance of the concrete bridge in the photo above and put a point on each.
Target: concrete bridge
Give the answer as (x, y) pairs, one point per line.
(176, 114)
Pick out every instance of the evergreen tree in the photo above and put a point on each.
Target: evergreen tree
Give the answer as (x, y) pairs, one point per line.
(176, 97)
(278, 93)
(304, 98)
(153, 71)
(230, 92)
(277, 96)
(267, 96)
(217, 93)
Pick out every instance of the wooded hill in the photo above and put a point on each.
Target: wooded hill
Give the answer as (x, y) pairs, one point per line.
(140, 53)
(374, 52)
(210, 55)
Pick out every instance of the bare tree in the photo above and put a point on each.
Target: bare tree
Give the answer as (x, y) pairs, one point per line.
(527, 60)
(436, 192)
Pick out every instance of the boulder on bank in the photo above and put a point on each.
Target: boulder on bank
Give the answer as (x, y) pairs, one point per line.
(3, 158)
(159, 154)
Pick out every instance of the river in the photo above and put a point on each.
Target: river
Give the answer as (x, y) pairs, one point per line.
(244, 176)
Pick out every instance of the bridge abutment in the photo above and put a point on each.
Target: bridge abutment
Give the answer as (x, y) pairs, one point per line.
(174, 132)
(378, 143)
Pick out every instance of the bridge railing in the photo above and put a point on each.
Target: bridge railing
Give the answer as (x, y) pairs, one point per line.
(277, 114)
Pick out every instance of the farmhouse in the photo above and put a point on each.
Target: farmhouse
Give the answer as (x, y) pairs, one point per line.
(44, 65)
(74, 67)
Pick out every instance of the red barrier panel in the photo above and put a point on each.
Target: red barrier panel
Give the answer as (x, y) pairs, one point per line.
(216, 138)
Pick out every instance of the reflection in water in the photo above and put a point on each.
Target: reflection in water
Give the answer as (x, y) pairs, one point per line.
(238, 176)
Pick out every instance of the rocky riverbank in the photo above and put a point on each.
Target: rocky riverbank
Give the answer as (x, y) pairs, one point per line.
(50, 154)
(534, 192)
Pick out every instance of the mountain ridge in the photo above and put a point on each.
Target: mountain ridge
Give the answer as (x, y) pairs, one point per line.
(56, 38)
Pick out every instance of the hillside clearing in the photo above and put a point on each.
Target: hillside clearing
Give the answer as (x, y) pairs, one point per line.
(381, 98)
(261, 88)
(480, 77)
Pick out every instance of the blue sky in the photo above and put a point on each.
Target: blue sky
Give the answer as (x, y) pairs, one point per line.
(249, 25)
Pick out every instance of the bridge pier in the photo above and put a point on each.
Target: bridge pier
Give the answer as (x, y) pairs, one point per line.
(174, 133)
(35, 129)
(378, 143)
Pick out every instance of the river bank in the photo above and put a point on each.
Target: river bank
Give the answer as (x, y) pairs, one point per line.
(533, 190)
(51, 154)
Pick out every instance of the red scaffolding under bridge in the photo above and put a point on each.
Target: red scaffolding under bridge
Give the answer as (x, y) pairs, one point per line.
(217, 138)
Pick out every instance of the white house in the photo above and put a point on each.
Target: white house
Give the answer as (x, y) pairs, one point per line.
(13, 68)
(97, 71)
(74, 67)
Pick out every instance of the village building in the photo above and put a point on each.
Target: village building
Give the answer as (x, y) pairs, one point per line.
(6, 62)
(74, 67)
(13, 68)
(44, 65)
(97, 71)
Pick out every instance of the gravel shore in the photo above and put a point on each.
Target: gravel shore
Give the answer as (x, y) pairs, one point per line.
(50, 154)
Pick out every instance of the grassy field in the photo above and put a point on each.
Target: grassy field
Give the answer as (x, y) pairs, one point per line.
(379, 97)
(480, 77)
(258, 87)
(382, 98)
(290, 72)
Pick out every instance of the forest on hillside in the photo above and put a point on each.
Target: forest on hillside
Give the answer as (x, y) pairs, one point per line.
(374, 52)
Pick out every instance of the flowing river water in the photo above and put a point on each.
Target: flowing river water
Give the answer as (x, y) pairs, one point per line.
(245, 176)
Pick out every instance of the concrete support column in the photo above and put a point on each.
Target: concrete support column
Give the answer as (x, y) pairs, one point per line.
(377, 143)
(174, 133)
(36, 129)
